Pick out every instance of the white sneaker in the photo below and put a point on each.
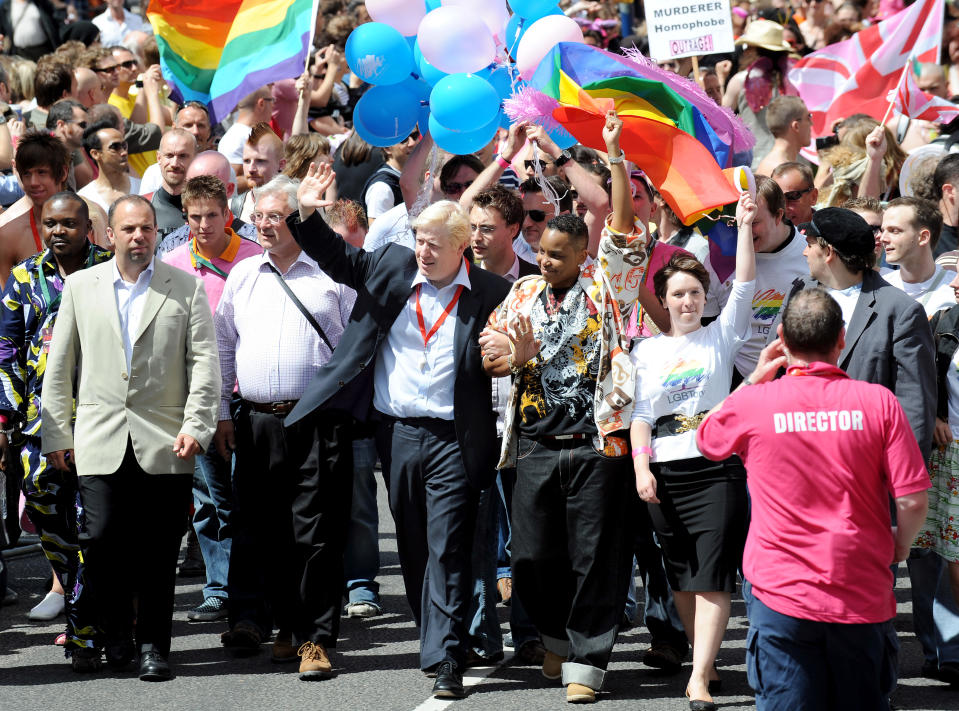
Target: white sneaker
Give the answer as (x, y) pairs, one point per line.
(362, 609)
(48, 608)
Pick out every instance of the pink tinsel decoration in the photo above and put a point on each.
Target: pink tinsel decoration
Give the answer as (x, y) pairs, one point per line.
(528, 104)
(722, 120)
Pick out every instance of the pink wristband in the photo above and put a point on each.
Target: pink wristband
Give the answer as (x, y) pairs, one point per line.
(504, 164)
(643, 450)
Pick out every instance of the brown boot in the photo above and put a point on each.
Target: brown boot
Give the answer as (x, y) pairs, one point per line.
(314, 662)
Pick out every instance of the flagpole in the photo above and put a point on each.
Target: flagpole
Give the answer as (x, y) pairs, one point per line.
(895, 92)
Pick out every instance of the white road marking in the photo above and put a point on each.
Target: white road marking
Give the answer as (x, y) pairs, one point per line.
(472, 677)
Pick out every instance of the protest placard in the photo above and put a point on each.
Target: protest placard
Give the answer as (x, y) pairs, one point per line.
(684, 28)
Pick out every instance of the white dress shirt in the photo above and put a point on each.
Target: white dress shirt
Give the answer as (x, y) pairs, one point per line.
(130, 299)
(113, 32)
(266, 345)
(413, 380)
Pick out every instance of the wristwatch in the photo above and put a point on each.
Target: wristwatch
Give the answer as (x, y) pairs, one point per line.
(564, 158)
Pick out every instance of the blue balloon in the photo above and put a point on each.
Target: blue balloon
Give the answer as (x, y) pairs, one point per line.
(424, 69)
(379, 54)
(462, 142)
(518, 24)
(464, 102)
(562, 138)
(433, 4)
(386, 115)
(502, 81)
(532, 8)
(421, 90)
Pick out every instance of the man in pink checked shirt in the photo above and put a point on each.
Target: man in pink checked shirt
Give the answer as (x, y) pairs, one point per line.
(210, 253)
(277, 322)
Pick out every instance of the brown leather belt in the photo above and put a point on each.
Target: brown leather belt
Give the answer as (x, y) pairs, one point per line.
(283, 407)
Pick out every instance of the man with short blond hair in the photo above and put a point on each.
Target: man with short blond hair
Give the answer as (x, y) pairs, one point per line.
(790, 123)
(262, 159)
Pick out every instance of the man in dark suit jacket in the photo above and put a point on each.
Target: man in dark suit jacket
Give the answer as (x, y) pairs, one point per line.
(402, 362)
(888, 339)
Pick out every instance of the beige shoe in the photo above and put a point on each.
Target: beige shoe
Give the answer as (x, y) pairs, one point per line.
(552, 666)
(579, 694)
(314, 662)
(283, 649)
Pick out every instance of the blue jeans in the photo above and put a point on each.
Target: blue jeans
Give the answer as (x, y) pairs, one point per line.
(486, 636)
(935, 617)
(802, 665)
(213, 507)
(361, 560)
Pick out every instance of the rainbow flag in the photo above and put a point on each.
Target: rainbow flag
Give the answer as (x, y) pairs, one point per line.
(681, 147)
(218, 51)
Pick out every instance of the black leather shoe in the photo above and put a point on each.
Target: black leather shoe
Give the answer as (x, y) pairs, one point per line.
(119, 654)
(449, 682)
(153, 667)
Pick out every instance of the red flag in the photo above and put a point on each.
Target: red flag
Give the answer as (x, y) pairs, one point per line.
(856, 75)
(917, 104)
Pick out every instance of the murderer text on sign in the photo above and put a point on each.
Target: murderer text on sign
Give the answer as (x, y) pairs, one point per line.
(683, 28)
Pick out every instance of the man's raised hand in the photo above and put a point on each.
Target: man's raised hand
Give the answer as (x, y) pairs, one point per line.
(313, 187)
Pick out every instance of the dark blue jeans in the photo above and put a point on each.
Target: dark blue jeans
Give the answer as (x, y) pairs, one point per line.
(803, 665)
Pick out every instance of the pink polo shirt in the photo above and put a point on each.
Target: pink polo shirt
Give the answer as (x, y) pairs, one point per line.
(237, 250)
(823, 454)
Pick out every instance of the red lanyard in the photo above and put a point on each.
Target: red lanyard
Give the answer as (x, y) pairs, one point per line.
(36, 235)
(439, 322)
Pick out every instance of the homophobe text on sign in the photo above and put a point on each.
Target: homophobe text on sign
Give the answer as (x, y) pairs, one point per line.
(683, 28)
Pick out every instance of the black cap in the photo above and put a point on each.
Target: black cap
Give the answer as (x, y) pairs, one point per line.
(844, 230)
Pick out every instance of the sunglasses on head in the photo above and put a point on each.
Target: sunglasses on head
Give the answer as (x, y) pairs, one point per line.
(536, 215)
(453, 188)
(794, 195)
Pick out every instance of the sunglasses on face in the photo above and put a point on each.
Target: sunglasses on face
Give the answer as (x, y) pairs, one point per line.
(107, 70)
(536, 215)
(453, 188)
(129, 64)
(794, 195)
(533, 164)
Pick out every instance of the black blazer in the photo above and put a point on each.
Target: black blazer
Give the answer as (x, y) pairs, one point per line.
(382, 282)
(527, 269)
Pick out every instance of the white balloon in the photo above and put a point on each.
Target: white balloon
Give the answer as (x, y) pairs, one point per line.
(541, 37)
(456, 40)
(404, 15)
(493, 12)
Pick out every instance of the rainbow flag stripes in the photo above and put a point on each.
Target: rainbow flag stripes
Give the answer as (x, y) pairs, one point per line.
(664, 133)
(218, 51)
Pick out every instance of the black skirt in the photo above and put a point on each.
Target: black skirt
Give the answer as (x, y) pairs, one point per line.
(701, 522)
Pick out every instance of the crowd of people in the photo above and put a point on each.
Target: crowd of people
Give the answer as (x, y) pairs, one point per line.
(217, 331)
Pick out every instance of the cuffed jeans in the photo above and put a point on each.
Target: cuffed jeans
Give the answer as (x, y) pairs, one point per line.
(361, 561)
(212, 511)
(802, 665)
(572, 550)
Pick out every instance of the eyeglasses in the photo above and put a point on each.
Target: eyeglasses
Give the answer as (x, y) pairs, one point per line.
(129, 64)
(118, 146)
(106, 70)
(453, 188)
(533, 164)
(274, 218)
(485, 229)
(535, 215)
(794, 195)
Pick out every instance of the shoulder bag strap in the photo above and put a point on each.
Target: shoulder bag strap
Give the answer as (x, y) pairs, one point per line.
(303, 310)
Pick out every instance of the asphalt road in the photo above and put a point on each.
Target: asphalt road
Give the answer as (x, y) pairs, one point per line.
(376, 665)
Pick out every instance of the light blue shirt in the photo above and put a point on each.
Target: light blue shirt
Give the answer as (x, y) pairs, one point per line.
(410, 380)
(130, 300)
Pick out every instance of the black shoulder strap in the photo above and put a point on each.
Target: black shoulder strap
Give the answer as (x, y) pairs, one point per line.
(303, 310)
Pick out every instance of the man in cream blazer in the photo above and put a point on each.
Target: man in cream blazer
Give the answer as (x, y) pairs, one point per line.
(134, 340)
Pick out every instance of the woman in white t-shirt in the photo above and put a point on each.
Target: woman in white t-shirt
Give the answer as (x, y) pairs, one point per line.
(698, 507)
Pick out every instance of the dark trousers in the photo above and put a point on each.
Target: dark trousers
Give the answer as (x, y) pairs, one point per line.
(803, 665)
(292, 491)
(130, 541)
(434, 508)
(572, 549)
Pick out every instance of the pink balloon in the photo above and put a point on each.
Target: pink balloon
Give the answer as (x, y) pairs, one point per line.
(456, 40)
(541, 37)
(403, 15)
(492, 12)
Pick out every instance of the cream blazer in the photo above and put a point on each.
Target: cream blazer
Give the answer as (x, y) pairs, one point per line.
(173, 385)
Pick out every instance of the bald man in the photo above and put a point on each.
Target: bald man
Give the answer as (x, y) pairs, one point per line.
(208, 163)
(89, 87)
(177, 151)
(262, 159)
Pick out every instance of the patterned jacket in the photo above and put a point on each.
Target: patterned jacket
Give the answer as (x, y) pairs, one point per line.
(612, 282)
(27, 315)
